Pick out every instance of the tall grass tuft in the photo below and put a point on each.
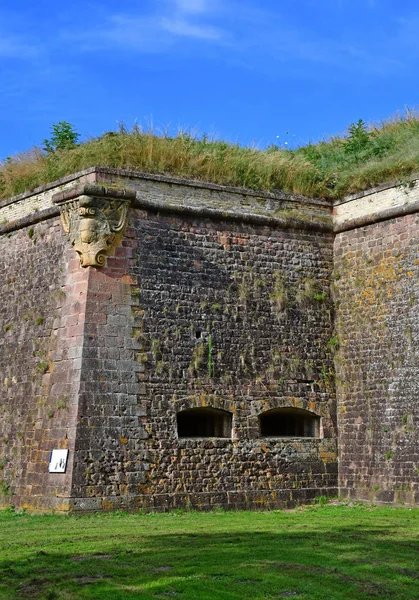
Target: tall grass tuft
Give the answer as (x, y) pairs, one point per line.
(367, 156)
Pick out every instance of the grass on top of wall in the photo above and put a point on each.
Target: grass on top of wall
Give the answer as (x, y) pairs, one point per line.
(365, 157)
(312, 553)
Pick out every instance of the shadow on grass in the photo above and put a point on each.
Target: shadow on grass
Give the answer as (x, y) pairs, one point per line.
(346, 563)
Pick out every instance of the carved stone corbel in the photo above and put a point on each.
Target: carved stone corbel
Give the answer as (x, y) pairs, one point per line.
(95, 219)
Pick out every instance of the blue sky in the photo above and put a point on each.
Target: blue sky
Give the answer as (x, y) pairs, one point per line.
(251, 72)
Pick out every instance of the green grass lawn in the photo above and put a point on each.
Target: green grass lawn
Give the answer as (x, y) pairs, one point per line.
(325, 552)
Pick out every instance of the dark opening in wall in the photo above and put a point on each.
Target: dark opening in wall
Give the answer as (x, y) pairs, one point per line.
(204, 422)
(289, 422)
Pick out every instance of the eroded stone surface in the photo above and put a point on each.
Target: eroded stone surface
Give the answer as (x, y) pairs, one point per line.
(199, 307)
(377, 291)
(95, 225)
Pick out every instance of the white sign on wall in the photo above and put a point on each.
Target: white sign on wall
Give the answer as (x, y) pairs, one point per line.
(58, 461)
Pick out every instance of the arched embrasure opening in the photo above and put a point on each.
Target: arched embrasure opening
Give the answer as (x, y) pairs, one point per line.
(289, 422)
(204, 422)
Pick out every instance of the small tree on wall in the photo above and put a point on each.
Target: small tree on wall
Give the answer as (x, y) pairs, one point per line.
(63, 137)
(358, 139)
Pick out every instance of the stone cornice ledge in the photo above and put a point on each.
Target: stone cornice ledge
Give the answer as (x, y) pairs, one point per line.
(298, 218)
(31, 219)
(284, 219)
(377, 188)
(65, 200)
(194, 183)
(47, 186)
(383, 215)
(93, 190)
(99, 172)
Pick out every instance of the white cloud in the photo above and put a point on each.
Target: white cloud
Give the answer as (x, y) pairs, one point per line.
(255, 36)
(142, 33)
(192, 6)
(181, 27)
(157, 32)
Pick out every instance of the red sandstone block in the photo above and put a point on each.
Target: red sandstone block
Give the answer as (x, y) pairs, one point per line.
(129, 279)
(74, 308)
(119, 298)
(71, 320)
(78, 276)
(114, 263)
(79, 288)
(98, 297)
(75, 330)
(94, 286)
(97, 318)
(73, 341)
(98, 274)
(117, 273)
(73, 265)
(124, 251)
(81, 318)
(131, 243)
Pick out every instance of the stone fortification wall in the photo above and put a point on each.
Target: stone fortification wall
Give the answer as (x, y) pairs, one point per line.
(38, 400)
(191, 360)
(378, 204)
(376, 279)
(231, 317)
(37, 205)
(213, 298)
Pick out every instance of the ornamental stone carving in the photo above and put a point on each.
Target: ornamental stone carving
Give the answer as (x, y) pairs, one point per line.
(95, 219)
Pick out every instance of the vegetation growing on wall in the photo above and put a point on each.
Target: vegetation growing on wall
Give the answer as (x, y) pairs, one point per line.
(365, 157)
(63, 137)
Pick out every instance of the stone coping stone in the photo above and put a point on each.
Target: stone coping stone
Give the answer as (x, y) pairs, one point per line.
(277, 194)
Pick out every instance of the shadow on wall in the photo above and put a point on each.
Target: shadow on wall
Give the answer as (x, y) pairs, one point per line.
(206, 422)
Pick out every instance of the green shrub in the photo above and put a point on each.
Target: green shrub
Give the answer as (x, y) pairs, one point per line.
(358, 140)
(63, 137)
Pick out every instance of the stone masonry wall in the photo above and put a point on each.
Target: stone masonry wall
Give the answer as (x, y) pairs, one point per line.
(39, 349)
(198, 307)
(221, 315)
(235, 317)
(377, 306)
(29, 203)
(110, 457)
(220, 298)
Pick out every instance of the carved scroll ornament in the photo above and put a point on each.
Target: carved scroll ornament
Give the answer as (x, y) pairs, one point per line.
(95, 224)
